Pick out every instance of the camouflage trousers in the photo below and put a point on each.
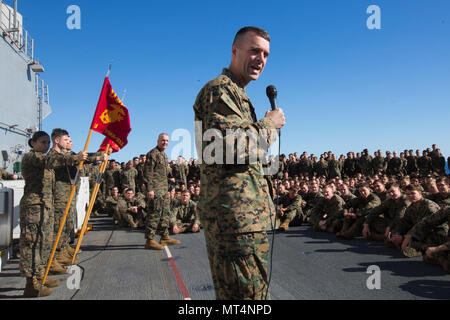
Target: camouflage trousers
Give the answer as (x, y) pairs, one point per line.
(68, 226)
(36, 239)
(127, 219)
(441, 258)
(418, 248)
(238, 264)
(186, 227)
(331, 226)
(158, 217)
(378, 225)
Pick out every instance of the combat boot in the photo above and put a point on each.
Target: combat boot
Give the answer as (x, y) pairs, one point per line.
(56, 268)
(344, 229)
(49, 282)
(32, 289)
(415, 250)
(284, 226)
(167, 241)
(376, 237)
(71, 250)
(131, 223)
(63, 258)
(351, 232)
(153, 245)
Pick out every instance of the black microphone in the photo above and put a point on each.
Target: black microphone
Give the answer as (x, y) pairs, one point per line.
(272, 94)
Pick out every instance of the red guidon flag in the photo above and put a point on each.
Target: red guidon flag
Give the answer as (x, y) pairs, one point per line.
(111, 117)
(112, 145)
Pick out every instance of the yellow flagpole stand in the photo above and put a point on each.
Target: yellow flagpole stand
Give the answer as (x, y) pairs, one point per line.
(91, 204)
(64, 218)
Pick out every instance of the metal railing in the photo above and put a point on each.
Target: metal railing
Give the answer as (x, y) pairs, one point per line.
(13, 30)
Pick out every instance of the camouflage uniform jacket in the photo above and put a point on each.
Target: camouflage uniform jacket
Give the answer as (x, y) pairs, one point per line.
(112, 179)
(334, 169)
(378, 163)
(185, 213)
(38, 180)
(361, 206)
(414, 213)
(61, 163)
(156, 172)
(180, 172)
(112, 201)
(348, 197)
(128, 178)
(312, 199)
(124, 204)
(423, 228)
(442, 199)
(333, 208)
(393, 210)
(349, 166)
(234, 197)
(291, 204)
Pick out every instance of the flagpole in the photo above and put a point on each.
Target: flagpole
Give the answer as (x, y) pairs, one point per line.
(92, 202)
(72, 195)
(64, 218)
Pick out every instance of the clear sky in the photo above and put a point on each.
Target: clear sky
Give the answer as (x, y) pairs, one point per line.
(342, 86)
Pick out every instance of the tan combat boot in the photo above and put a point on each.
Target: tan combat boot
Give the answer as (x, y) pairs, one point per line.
(63, 258)
(167, 241)
(344, 229)
(49, 282)
(71, 250)
(285, 225)
(56, 268)
(153, 245)
(32, 289)
(69, 255)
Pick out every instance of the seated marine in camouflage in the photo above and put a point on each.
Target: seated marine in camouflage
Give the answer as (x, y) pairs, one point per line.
(311, 195)
(416, 211)
(289, 208)
(385, 217)
(344, 192)
(328, 214)
(380, 190)
(442, 198)
(111, 204)
(184, 217)
(421, 231)
(361, 205)
(130, 210)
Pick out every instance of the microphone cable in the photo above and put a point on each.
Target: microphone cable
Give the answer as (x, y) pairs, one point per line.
(273, 223)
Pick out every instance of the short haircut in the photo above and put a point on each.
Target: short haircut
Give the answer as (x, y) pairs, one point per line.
(413, 187)
(442, 180)
(392, 185)
(363, 185)
(58, 133)
(241, 33)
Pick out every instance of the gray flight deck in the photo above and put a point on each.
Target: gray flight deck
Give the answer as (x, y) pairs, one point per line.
(306, 265)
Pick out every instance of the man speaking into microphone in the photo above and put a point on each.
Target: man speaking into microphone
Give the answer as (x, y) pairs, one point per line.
(235, 206)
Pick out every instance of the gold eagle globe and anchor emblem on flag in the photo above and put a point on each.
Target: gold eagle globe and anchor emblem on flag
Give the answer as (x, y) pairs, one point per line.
(111, 117)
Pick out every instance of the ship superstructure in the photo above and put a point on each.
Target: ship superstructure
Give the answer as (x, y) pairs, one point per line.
(24, 97)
